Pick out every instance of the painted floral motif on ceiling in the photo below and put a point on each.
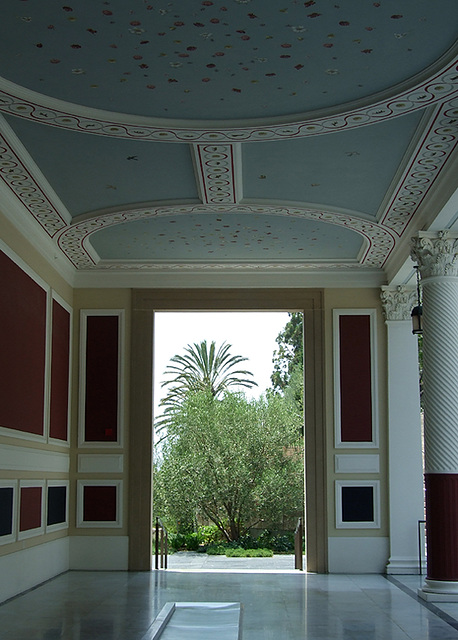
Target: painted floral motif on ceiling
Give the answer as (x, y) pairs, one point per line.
(211, 58)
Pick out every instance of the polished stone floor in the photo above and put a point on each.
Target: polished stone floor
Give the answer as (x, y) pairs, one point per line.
(280, 606)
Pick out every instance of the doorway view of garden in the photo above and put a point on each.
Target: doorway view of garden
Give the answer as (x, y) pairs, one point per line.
(228, 477)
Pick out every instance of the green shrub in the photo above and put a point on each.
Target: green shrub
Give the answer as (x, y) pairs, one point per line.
(249, 553)
(183, 541)
(278, 543)
(216, 550)
(248, 542)
(192, 541)
(209, 534)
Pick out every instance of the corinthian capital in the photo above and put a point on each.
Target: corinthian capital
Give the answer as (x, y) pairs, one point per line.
(397, 303)
(436, 253)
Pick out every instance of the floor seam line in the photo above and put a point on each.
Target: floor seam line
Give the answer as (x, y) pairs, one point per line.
(450, 620)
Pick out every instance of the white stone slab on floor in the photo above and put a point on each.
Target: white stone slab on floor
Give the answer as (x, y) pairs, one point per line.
(198, 621)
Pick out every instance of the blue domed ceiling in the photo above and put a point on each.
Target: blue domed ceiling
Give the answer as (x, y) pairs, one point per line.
(207, 60)
(228, 136)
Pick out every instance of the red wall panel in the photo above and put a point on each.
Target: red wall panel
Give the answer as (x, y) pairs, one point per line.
(101, 408)
(99, 503)
(30, 510)
(60, 361)
(22, 349)
(355, 378)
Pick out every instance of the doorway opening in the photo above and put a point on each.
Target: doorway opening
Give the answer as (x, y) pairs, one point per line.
(145, 304)
(228, 480)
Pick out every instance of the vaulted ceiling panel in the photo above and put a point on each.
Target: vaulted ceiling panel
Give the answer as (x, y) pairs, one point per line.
(115, 173)
(227, 236)
(350, 170)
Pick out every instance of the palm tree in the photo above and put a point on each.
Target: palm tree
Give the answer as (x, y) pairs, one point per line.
(202, 368)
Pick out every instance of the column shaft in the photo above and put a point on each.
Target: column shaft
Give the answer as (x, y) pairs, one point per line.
(437, 256)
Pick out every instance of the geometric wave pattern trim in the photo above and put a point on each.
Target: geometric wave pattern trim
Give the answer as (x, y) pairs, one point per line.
(19, 179)
(437, 144)
(73, 241)
(16, 100)
(440, 374)
(216, 174)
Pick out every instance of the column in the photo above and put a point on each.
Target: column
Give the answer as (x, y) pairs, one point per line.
(405, 466)
(436, 254)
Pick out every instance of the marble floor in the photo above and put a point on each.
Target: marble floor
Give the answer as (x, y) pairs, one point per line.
(276, 605)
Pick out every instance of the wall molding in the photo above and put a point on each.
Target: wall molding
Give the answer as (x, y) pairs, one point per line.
(14, 458)
(357, 463)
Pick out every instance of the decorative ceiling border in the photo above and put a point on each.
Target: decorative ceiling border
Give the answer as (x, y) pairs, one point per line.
(15, 100)
(233, 266)
(17, 176)
(433, 150)
(74, 241)
(216, 172)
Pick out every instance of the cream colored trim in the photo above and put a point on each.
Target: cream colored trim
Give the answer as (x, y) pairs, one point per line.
(84, 314)
(30, 459)
(357, 463)
(102, 524)
(370, 524)
(100, 463)
(374, 379)
(144, 303)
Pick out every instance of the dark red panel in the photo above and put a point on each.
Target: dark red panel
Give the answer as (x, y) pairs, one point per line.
(101, 415)
(60, 361)
(22, 349)
(355, 378)
(99, 504)
(30, 510)
(442, 525)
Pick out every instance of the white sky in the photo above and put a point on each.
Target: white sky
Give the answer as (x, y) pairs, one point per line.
(251, 334)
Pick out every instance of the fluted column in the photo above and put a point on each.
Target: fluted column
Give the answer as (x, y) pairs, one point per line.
(405, 468)
(436, 254)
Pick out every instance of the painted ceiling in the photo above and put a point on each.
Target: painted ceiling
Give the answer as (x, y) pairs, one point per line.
(230, 136)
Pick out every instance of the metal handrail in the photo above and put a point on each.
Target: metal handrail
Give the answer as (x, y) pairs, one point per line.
(161, 549)
(298, 535)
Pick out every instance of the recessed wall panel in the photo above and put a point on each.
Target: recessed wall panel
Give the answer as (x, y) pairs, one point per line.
(22, 349)
(6, 511)
(355, 378)
(60, 371)
(30, 512)
(102, 378)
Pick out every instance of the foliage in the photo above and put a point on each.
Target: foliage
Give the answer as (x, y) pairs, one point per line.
(278, 543)
(420, 367)
(249, 553)
(209, 534)
(230, 461)
(238, 552)
(183, 541)
(201, 368)
(290, 353)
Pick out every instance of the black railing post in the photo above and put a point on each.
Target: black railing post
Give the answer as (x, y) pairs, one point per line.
(161, 545)
(298, 534)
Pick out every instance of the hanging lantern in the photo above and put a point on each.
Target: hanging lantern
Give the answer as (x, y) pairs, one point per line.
(416, 315)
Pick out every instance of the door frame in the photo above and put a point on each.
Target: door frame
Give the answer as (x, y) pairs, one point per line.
(145, 302)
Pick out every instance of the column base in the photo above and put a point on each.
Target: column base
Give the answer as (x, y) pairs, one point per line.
(404, 566)
(439, 591)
